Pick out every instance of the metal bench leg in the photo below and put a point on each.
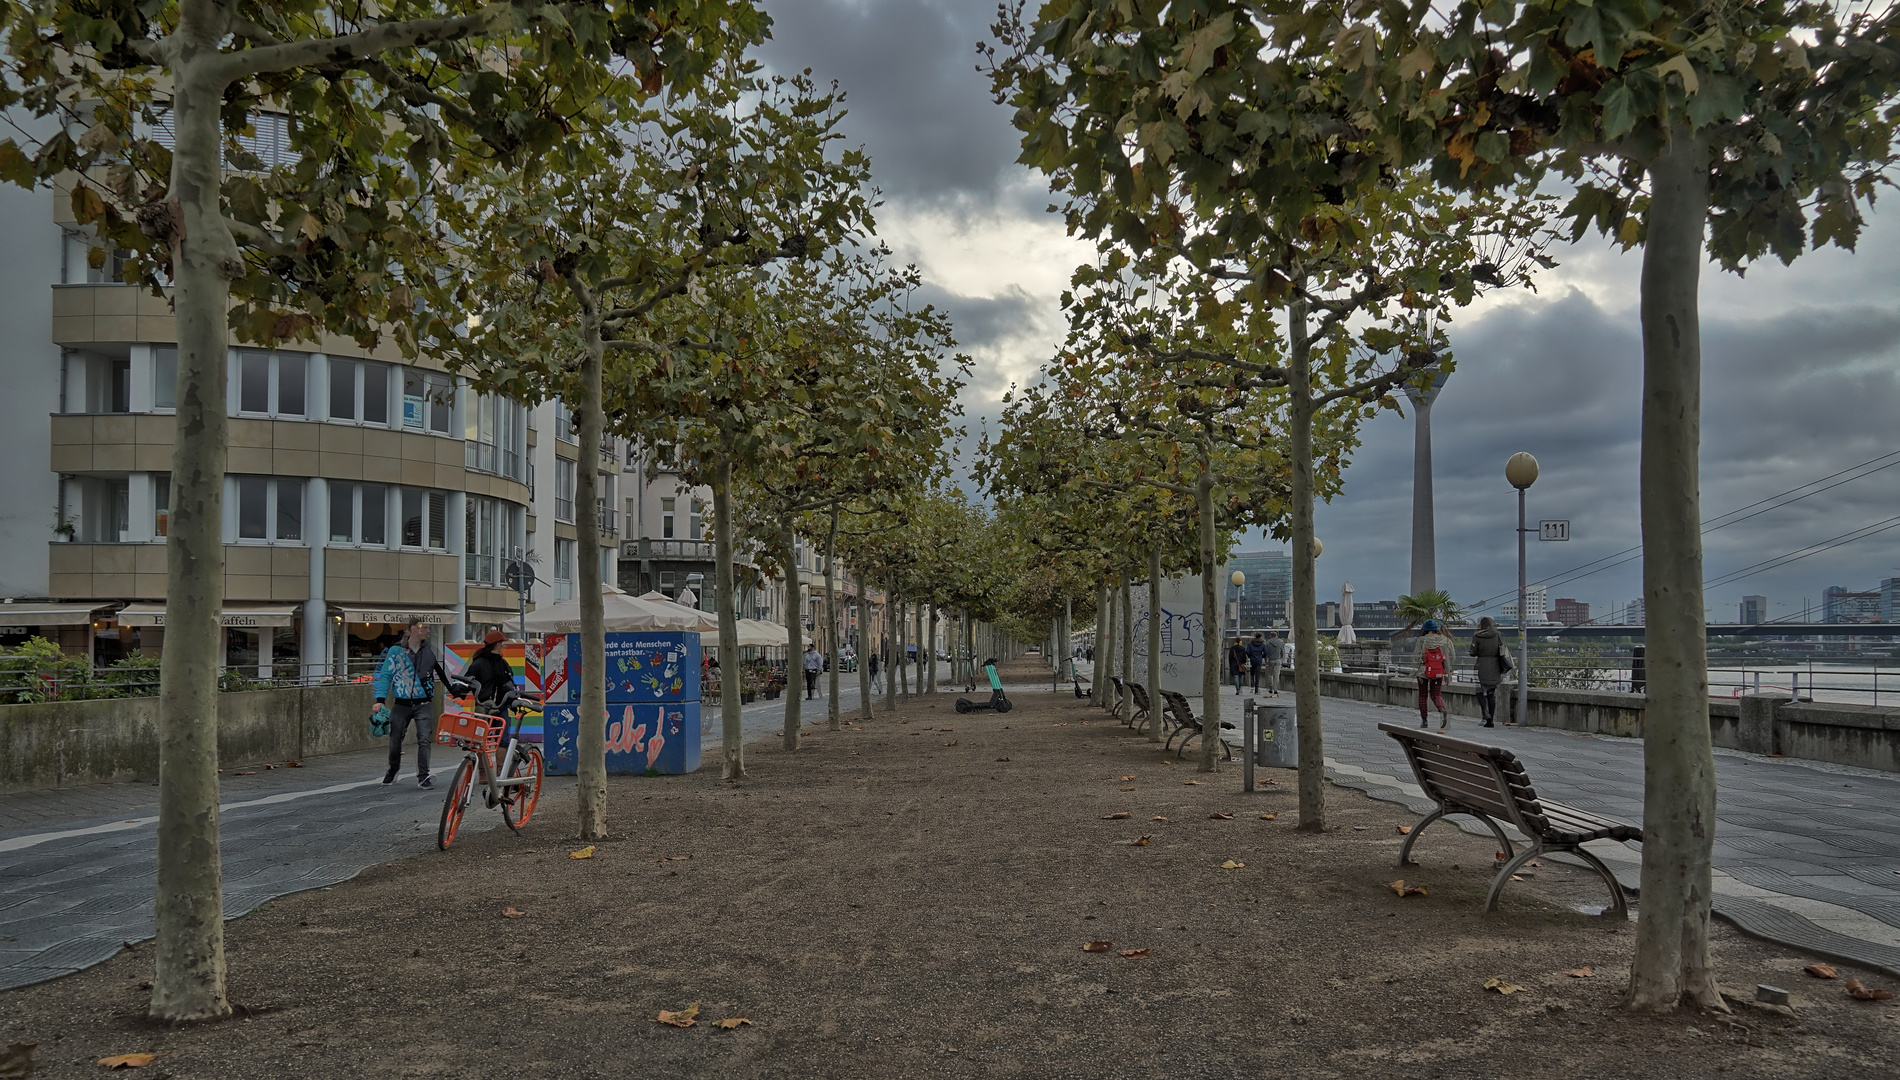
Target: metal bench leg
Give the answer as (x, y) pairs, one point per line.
(1405, 849)
(1619, 905)
(1504, 875)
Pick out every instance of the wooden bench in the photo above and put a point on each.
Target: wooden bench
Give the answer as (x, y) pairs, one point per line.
(1143, 704)
(1489, 783)
(1186, 723)
(1119, 695)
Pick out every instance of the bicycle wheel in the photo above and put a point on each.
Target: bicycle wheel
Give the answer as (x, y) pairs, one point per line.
(456, 804)
(518, 806)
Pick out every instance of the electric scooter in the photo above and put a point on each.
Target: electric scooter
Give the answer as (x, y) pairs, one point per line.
(998, 700)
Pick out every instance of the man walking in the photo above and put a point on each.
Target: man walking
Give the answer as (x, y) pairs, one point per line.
(813, 665)
(407, 678)
(1276, 655)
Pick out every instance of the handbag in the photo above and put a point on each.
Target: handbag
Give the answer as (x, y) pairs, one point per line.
(1504, 662)
(379, 721)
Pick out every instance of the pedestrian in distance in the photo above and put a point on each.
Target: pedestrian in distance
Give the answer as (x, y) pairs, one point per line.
(1276, 656)
(1237, 663)
(814, 664)
(1434, 664)
(1493, 664)
(876, 689)
(489, 671)
(1257, 658)
(405, 689)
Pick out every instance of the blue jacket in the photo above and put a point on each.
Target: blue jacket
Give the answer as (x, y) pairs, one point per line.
(407, 676)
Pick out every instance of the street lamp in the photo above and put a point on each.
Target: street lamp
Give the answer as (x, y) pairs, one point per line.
(1521, 471)
(1238, 580)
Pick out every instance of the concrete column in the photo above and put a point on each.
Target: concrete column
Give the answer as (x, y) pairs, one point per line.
(1424, 543)
(1755, 734)
(140, 399)
(458, 545)
(139, 508)
(313, 650)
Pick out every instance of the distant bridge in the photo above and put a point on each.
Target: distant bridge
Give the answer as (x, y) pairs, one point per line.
(1889, 631)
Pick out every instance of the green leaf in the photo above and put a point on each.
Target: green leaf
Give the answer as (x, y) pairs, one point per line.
(1679, 64)
(1619, 110)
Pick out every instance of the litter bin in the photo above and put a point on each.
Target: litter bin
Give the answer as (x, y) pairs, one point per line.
(1272, 739)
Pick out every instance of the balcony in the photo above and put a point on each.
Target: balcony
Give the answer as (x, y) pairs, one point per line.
(668, 550)
(489, 458)
(606, 517)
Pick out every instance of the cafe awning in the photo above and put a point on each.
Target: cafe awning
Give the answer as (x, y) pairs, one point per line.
(247, 615)
(76, 613)
(399, 615)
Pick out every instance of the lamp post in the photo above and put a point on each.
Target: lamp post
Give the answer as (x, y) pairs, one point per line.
(1238, 580)
(1521, 471)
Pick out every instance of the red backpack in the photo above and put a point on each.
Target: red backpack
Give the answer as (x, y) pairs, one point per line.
(1434, 663)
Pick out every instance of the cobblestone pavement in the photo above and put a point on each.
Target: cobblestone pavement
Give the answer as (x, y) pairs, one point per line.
(1806, 853)
(76, 863)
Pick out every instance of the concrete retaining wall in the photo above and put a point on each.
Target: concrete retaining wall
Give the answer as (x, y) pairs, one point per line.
(85, 742)
(1760, 723)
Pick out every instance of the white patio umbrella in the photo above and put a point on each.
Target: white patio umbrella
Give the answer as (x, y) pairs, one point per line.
(702, 620)
(1346, 636)
(620, 611)
(753, 633)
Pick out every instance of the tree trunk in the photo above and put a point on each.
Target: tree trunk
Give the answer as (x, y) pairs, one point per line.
(894, 652)
(867, 644)
(1305, 629)
(794, 693)
(1154, 644)
(1067, 635)
(831, 623)
(591, 743)
(1671, 966)
(903, 653)
(731, 717)
(933, 648)
(188, 952)
(1127, 649)
(923, 647)
(1213, 657)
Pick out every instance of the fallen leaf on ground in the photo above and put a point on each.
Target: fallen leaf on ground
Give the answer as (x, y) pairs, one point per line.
(1533, 862)
(1157, 817)
(1218, 816)
(673, 858)
(1404, 830)
(1134, 954)
(1128, 789)
(953, 742)
(128, 1061)
(1403, 889)
(1127, 778)
(1002, 759)
(731, 1022)
(1117, 816)
(946, 729)
(1098, 946)
(512, 912)
(247, 772)
(1866, 993)
(293, 764)
(1502, 856)
(1583, 972)
(1821, 971)
(1233, 864)
(584, 853)
(1514, 877)
(1268, 817)
(681, 1019)
(1143, 842)
(1191, 783)
(1501, 986)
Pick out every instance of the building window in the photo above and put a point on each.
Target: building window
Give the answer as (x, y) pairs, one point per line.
(359, 514)
(567, 425)
(271, 384)
(496, 432)
(359, 391)
(269, 508)
(164, 378)
(425, 518)
(697, 526)
(161, 504)
(666, 518)
(563, 569)
(103, 509)
(666, 582)
(490, 524)
(428, 400)
(563, 489)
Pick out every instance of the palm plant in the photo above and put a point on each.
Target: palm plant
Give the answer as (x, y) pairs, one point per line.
(1429, 604)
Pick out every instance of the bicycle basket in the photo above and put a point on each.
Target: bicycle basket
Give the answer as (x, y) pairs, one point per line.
(470, 731)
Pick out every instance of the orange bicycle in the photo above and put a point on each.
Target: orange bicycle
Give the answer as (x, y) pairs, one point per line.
(511, 771)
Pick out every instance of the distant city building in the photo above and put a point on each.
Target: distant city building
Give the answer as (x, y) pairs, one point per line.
(1633, 613)
(1890, 600)
(1263, 600)
(1840, 605)
(1570, 612)
(1754, 610)
(1535, 601)
(1376, 614)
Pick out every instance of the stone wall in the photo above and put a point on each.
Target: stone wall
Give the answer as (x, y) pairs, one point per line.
(1857, 735)
(83, 742)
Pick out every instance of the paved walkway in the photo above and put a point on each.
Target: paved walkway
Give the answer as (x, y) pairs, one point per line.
(76, 863)
(1806, 853)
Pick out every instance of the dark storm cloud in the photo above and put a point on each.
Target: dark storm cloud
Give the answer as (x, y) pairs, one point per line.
(1787, 398)
(916, 101)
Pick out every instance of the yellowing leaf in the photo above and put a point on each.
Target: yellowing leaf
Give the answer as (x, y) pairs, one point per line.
(1866, 993)
(584, 853)
(1097, 946)
(1404, 830)
(731, 1022)
(681, 1019)
(1117, 816)
(1679, 64)
(1218, 816)
(1821, 971)
(128, 1061)
(1584, 972)
(1134, 954)
(1501, 986)
(1404, 890)
(1142, 842)
(1157, 817)
(512, 912)
(1191, 783)
(1232, 864)
(1126, 778)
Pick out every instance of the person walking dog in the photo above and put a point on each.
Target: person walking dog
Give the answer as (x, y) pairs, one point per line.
(405, 690)
(1493, 664)
(1434, 665)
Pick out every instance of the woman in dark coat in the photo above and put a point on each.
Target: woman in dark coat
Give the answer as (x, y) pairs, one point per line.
(1237, 662)
(1488, 646)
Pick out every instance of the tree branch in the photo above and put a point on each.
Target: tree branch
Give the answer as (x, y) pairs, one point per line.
(349, 50)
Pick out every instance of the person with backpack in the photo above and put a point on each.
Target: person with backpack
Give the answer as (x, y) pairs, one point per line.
(405, 693)
(490, 671)
(1257, 657)
(1434, 666)
(1494, 662)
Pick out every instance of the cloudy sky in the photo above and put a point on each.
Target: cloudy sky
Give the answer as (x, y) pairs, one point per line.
(1801, 365)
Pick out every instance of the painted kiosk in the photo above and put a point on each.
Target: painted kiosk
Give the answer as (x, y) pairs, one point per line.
(653, 721)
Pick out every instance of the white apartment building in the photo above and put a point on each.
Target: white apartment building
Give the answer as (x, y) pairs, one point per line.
(1535, 598)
